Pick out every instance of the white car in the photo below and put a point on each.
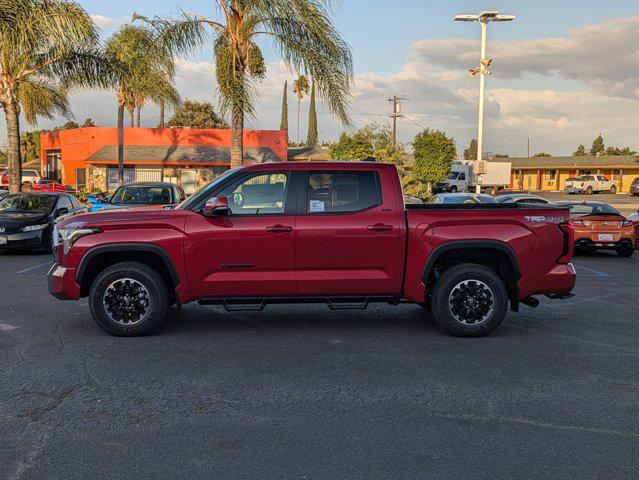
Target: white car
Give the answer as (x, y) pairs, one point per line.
(590, 184)
(30, 177)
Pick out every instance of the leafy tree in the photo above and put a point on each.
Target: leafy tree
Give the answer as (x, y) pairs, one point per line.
(434, 153)
(312, 135)
(580, 152)
(300, 88)
(144, 67)
(69, 125)
(3, 158)
(598, 147)
(542, 154)
(302, 35)
(30, 146)
(196, 115)
(501, 155)
(620, 151)
(471, 152)
(47, 47)
(371, 141)
(355, 147)
(88, 122)
(284, 119)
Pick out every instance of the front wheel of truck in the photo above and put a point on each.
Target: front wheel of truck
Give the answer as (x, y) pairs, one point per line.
(469, 300)
(128, 299)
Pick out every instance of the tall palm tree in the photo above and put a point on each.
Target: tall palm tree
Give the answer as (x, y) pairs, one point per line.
(46, 48)
(302, 35)
(144, 70)
(300, 88)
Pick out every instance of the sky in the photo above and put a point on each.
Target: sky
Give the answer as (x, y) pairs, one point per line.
(563, 71)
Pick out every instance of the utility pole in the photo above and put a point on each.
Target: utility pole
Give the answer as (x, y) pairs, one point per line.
(483, 18)
(528, 150)
(395, 115)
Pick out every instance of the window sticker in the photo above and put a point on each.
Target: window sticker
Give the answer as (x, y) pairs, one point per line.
(316, 206)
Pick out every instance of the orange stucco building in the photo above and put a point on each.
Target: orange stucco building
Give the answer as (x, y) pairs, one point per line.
(190, 157)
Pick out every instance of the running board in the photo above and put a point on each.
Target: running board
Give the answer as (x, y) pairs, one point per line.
(258, 304)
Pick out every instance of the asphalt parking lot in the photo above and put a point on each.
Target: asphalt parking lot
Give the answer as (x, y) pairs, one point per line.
(303, 392)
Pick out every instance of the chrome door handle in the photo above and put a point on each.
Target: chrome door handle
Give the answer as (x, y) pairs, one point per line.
(279, 229)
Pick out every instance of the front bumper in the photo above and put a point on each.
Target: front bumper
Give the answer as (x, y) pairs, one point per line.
(62, 284)
(22, 240)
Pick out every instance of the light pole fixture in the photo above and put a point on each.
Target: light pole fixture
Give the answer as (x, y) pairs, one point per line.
(483, 18)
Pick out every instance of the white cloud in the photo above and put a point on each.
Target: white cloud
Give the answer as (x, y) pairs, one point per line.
(604, 56)
(102, 21)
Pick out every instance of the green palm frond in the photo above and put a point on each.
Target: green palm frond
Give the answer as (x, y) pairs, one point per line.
(39, 97)
(301, 32)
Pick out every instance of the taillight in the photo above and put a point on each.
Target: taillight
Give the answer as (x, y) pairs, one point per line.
(626, 223)
(578, 222)
(568, 250)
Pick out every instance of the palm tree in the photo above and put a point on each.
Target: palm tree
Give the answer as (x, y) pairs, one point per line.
(302, 35)
(144, 70)
(300, 88)
(46, 48)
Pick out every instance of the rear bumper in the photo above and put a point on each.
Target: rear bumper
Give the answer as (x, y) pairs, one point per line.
(585, 244)
(557, 282)
(62, 284)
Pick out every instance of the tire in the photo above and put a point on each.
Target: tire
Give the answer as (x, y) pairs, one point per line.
(613, 189)
(625, 252)
(589, 190)
(138, 280)
(456, 282)
(453, 189)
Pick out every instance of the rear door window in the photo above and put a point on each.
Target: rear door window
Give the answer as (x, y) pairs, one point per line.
(342, 192)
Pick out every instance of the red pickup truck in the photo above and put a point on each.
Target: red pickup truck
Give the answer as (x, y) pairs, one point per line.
(337, 233)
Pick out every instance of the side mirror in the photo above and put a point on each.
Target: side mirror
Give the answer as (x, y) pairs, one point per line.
(215, 207)
(61, 211)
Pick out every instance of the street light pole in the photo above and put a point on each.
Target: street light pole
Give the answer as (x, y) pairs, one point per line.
(483, 18)
(482, 80)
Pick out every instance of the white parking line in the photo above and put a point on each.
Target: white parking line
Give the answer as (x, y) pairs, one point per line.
(592, 270)
(6, 328)
(34, 267)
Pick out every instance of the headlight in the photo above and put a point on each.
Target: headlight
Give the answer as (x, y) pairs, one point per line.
(33, 228)
(68, 236)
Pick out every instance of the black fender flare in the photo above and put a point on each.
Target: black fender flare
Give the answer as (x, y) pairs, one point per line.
(474, 244)
(128, 247)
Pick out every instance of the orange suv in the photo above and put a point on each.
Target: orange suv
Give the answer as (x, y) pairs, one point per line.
(600, 227)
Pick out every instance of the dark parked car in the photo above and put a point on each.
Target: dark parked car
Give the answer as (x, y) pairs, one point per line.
(27, 219)
(634, 187)
(521, 198)
(139, 195)
(453, 198)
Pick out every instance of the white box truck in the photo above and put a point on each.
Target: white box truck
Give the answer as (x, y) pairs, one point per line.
(467, 174)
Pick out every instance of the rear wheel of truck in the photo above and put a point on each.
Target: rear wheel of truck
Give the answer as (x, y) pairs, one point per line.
(128, 299)
(469, 300)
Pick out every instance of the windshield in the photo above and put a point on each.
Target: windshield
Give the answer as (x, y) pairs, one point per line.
(26, 203)
(160, 195)
(453, 176)
(593, 209)
(203, 191)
